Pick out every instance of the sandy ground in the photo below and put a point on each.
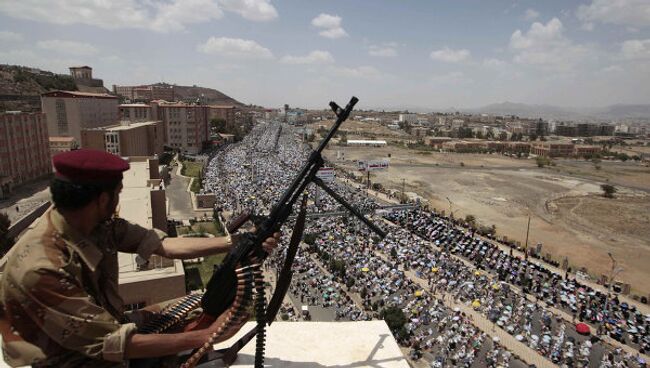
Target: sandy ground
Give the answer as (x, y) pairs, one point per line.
(568, 215)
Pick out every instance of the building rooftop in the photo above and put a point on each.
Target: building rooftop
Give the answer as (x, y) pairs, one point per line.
(129, 126)
(321, 345)
(222, 106)
(135, 105)
(77, 94)
(318, 345)
(61, 139)
(135, 206)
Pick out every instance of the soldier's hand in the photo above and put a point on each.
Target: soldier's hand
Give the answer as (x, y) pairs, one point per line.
(271, 243)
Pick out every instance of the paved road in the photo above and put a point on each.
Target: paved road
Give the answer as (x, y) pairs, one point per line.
(180, 205)
(26, 198)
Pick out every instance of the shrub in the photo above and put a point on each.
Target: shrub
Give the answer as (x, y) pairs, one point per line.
(395, 319)
(309, 238)
(608, 190)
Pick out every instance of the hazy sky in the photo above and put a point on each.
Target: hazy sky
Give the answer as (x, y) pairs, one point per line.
(398, 53)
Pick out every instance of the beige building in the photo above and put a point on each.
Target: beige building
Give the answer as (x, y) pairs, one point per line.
(150, 92)
(81, 72)
(69, 112)
(143, 202)
(222, 112)
(62, 144)
(24, 149)
(420, 131)
(464, 146)
(586, 150)
(83, 78)
(138, 112)
(127, 139)
(552, 149)
(186, 126)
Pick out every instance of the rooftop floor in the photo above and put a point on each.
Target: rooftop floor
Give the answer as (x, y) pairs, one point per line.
(322, 345)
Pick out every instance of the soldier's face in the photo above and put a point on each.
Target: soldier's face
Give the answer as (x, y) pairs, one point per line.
(110, 204)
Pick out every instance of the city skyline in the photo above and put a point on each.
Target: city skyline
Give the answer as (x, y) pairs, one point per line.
(435, 55)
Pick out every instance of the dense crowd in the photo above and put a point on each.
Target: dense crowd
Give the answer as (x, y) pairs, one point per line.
(365, 275)
(619, 320)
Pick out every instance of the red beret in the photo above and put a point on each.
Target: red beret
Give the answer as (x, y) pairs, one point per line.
(87, 166)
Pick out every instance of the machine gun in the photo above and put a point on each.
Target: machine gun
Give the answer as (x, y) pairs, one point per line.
(231, 287)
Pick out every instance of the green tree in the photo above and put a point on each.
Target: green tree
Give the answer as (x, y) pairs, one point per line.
(608, 190)
(471, 220)
(542, 161)
(309, 238)
(395, 319)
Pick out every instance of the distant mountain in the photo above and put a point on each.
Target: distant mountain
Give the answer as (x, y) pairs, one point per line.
(207, 95)
(626, 111)
(613, 112)
(524, 110)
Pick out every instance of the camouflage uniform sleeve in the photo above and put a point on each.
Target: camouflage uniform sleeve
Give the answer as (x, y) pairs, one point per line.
(69, 316)
(132, 238)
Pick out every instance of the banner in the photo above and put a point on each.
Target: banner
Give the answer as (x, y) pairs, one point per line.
(326, 174)
(373, 165)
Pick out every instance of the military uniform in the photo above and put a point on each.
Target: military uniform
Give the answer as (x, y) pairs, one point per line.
(59, 291)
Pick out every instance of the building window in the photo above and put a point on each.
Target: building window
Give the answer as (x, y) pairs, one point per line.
(61, 116)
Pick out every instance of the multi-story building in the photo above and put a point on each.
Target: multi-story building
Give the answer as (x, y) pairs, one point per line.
(606, 129)
(420, 131)
(138, 112)
(186, 126)
(126, 139)
(552, 149)
(69, 112)
(590, 130)
(81, 72)
(464, 146)
(408, 118)
(62, 144)
(83, 78)
(124, 91)
(143, 201)
(154, 92)
(541, 127)
(565, 130)
(517, 147)
(222, 112)
(24, 148)
(150, 92)
(586, 150)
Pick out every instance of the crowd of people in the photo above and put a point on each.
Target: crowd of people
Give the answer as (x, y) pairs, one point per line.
(619, 320)
(347, 269)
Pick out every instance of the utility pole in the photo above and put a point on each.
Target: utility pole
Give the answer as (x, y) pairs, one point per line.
(403, 184)
(527, 232)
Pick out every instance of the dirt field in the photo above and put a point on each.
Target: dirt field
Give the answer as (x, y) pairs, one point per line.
(568, 215)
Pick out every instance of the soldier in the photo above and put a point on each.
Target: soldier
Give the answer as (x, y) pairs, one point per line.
(59, 290)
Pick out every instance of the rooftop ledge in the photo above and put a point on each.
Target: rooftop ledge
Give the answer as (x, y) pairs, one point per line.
(321, 345)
